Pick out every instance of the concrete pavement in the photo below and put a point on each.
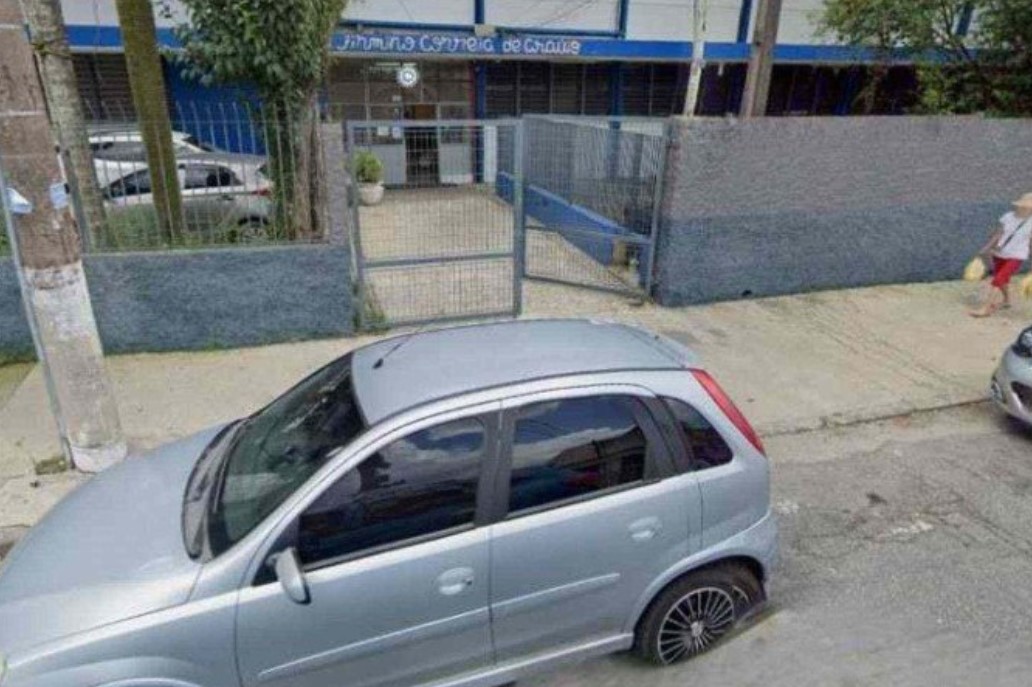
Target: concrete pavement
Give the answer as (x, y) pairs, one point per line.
(793, 363)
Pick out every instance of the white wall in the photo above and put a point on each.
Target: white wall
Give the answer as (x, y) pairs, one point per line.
(669, 20)
(585, 15)
(103, 13)
(411, 11)
(799, 22)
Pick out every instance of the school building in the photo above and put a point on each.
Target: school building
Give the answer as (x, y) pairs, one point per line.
(459, 59)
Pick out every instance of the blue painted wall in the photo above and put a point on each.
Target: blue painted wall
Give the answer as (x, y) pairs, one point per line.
(866, 200)
(226, 117)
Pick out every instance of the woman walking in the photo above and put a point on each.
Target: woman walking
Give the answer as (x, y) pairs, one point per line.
(1009, 248)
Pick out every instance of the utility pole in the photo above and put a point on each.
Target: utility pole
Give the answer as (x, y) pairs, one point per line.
(700, 10)
(47, 254)
(47, 31)
(761, 59)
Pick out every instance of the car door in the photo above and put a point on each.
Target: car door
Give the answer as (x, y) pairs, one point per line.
(200, 197)
(396, 565)
(593, 514)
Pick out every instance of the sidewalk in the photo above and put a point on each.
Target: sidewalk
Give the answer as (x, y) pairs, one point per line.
(793, 363)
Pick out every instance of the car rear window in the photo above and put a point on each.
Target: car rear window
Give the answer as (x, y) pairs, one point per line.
(705, 446)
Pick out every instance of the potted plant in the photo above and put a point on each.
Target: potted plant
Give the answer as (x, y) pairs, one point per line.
(369, 172)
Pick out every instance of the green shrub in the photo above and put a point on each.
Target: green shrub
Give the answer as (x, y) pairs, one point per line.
(368, 168)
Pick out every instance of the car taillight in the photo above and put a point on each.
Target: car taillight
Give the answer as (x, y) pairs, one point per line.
(728, 407)
(263, 192)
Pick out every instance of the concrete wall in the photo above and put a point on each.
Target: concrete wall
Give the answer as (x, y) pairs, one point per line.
(203, 299)
(787, 205)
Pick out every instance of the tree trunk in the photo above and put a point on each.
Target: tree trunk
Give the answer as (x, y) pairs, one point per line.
(46, 27)
(48, 257)
(148, 86)
(291, 137)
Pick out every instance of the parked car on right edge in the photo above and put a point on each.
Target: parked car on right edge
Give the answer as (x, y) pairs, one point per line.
(1011, 386)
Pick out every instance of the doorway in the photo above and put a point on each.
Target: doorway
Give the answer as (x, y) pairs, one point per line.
(422, 155)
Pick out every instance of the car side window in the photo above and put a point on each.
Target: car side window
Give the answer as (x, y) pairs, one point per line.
(135, 184)
(706, 447)
(225, 177)
(571, 448)
(416, 486)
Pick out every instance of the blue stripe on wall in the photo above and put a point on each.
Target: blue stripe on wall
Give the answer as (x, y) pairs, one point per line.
(109, 37)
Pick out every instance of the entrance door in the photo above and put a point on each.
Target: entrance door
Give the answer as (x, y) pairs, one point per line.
(422, 156)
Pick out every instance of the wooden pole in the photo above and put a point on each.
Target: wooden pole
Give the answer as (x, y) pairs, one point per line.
(761, 59)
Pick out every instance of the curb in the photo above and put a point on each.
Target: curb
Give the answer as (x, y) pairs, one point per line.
(868, 415)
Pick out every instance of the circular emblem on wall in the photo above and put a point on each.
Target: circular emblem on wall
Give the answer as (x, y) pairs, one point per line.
(408, 75)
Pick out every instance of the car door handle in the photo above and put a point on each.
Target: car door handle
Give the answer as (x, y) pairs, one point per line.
(226, 197)
(645, 529)
(455, 581)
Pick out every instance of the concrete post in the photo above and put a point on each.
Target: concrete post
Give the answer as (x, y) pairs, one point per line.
(48, 254)
(46, 26)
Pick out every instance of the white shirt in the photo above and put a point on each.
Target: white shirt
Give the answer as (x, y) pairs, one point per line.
(1017, 232)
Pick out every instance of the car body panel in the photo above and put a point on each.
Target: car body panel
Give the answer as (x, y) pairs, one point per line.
(87, 564)
(1013, 369)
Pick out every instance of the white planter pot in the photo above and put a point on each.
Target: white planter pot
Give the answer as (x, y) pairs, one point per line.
(370, 194)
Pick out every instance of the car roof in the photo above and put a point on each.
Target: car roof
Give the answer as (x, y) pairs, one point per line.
(121, 132)
(221, 157)
(429, 366)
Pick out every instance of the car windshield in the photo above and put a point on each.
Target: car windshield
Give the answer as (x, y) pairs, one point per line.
(276, 450)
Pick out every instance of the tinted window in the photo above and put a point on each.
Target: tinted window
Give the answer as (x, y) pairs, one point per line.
(419, 485)
(209, 177)
(707, 448)
(135, 184)
(575, 447)
(278, 448)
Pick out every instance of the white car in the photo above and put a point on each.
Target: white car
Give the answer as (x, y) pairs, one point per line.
(126, 144)
(221, 191)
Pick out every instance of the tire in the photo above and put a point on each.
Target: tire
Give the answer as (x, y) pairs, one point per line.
(694, 613)
(251, 230)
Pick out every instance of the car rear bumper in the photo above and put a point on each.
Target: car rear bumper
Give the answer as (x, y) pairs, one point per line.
(1011, 386)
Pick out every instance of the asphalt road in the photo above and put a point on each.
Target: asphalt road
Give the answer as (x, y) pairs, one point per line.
(906, 560)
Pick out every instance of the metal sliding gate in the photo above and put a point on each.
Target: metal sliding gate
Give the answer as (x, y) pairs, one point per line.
(445, 240)
(470, 208)
(592, 189)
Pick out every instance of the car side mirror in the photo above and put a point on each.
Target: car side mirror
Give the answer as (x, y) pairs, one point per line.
(291, 577)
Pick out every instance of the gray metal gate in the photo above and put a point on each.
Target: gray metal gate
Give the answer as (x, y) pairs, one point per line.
(592, 189)
(445, 242)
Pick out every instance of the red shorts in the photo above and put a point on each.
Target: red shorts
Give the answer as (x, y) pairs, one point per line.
(1003, 270)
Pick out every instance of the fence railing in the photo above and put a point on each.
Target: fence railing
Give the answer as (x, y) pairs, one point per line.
(246, 175)
(610, 166)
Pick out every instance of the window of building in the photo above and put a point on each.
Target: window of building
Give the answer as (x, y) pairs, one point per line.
(573, 448)
(417, 486)
(706, 447)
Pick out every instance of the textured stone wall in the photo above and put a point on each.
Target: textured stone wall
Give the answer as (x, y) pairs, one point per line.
(787, 205)
(203, 299)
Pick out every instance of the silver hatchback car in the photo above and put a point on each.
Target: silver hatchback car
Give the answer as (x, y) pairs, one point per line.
(453, 508)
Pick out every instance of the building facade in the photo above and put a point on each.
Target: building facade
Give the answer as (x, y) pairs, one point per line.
(495, 58)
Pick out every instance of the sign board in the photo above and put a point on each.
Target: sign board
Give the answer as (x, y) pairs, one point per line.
(454, 44)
